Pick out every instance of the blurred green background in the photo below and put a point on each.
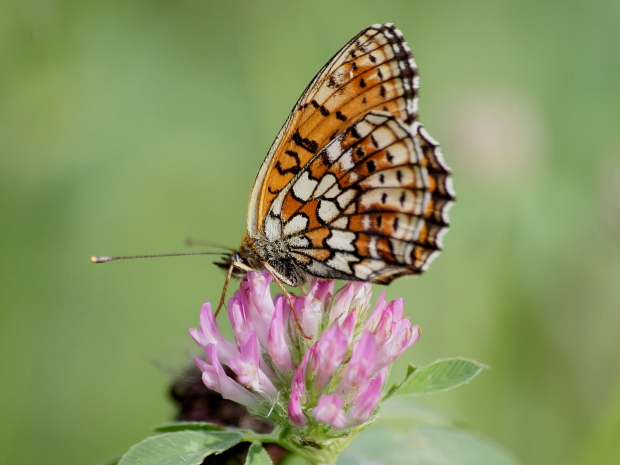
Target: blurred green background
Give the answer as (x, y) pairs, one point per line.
(126, 126)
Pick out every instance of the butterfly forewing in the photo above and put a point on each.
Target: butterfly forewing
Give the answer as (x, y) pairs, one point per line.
(374, 71)
(353, 187)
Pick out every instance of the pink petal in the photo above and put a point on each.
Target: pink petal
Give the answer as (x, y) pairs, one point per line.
(329, 410)
(298, 383)
(348, 327)
(403, 336)
(209, 375)
(373, 319)
(312, 307)
(342, 303)
(324, 290)
(353, 297)
(216, 378)
(379, 380)
(312, 367)
(277, 346)
(399, 309)
(288, 323)
(361, 299)
(361, 366)
(329, 354)
(383, 330)
(260, 306)
(210, 334)
(366, 400)
(247, 367)
(237, 314)
(295, 413)
(309, 313)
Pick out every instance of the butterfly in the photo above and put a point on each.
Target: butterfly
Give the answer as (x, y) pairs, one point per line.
(353, 187)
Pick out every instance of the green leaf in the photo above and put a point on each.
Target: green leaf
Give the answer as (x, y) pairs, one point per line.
(187, 426)
(424, 445)
(257, 455)
(402, 435)
(184, 447)
(437, 377)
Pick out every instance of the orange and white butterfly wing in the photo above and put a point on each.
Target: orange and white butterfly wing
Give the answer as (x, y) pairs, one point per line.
(353, 184)
(367, 207)
(373, 71)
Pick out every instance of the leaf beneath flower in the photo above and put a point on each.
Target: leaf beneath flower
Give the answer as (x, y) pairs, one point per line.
(184, 447)
(257, 455)
(424, 445)
(408, 433)
(187, 426)
(437, 377)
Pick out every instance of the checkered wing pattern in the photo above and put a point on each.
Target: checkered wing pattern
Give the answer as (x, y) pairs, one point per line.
(353, 185)
(366, 206)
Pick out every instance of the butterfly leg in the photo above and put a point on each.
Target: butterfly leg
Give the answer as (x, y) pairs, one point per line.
(232, 266)
(290, 300)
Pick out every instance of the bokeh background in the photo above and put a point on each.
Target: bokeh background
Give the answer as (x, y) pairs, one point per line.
(127, 126)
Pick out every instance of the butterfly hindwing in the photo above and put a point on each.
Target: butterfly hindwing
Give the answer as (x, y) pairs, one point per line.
(361, 208)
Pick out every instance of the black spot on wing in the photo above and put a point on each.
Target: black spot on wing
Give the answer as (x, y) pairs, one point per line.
(325, 160)
(293, 169)
(295, 155)
(306, 144)
(332, 84)
(324, 111)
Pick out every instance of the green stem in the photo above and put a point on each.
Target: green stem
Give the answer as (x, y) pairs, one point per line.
(251, 436)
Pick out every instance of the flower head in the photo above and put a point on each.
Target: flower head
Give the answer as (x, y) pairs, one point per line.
(321, 389)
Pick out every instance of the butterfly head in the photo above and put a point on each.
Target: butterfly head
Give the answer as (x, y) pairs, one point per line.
(241, 260)
(228, 260)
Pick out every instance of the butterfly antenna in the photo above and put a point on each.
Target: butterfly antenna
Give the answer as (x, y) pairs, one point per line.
(125, 257)
(191, 242)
